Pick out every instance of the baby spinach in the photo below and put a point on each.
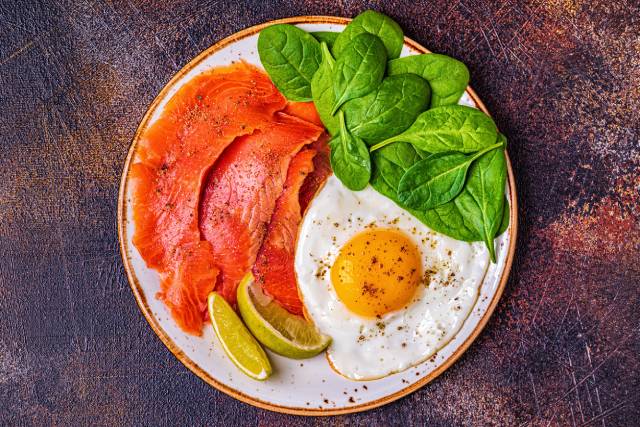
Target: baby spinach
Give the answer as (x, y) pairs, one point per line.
(461, 218)
(322, 91)
(391, 163)
(389, 110)
(394, 160)
(403, 154)
(433, 182)
(433, 156)
(446, 166)
(350, 159)
(482, 200)
(374, 23)
(449, 128)
(506, 214)
(450, 220)
(506, 211)
(291, 57)
(448, 77)
(379, 183)
(437, 180)
(359, 69)
(329, 37)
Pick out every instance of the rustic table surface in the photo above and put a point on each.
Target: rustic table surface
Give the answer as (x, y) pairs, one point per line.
(562, 79)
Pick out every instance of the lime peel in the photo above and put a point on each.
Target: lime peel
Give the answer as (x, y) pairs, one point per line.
(282, 332)
(238, 343)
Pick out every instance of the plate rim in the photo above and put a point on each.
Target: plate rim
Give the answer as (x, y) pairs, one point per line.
(195, 368)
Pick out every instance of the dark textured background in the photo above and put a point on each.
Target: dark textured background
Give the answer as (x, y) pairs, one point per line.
(562, 79)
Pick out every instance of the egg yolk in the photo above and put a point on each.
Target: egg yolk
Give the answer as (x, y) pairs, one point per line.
(376, 272)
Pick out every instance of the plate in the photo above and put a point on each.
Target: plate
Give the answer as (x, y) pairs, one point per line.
(307, 387)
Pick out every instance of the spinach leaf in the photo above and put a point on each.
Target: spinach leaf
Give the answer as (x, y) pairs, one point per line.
(359, 69)
(329, 37)
(389, 110)
(380, 184)
(482, 200)
(449, 128)
(453, 218)
(433, 156)
(447, 77)
(350, 159)
(506, 214)
(322, 91)
(403, 154)
(436, 180)
(391, 163)
(291, 56)
(451, 221)
(506, 211)
(433, 182)
(374, 23)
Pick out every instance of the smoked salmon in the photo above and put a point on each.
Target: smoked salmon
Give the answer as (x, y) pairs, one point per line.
(173, 157)
(322, 166)
(320, 173)
(274, 269)
(304, 110)
(241, 192)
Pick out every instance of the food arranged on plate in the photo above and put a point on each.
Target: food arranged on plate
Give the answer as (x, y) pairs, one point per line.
(342, 201)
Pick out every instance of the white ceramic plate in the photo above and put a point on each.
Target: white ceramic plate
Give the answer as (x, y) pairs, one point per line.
(307, 387)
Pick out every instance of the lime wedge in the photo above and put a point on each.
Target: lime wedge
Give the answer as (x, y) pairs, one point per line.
(277, 329)
(241, 347)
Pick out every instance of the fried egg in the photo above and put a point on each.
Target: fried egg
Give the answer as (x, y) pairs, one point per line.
(388, 290)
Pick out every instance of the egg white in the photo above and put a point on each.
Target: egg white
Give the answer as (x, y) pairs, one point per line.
(368, 348)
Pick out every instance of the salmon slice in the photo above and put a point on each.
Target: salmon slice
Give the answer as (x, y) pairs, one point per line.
(320, 173)
(274, 269)
(173, 156)
(322, 167)
(241, 193)
(304, 110)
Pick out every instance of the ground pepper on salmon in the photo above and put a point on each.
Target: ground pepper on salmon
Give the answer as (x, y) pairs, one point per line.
(273, 269)
(321, 171)
(172, 159)
(241, 193)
